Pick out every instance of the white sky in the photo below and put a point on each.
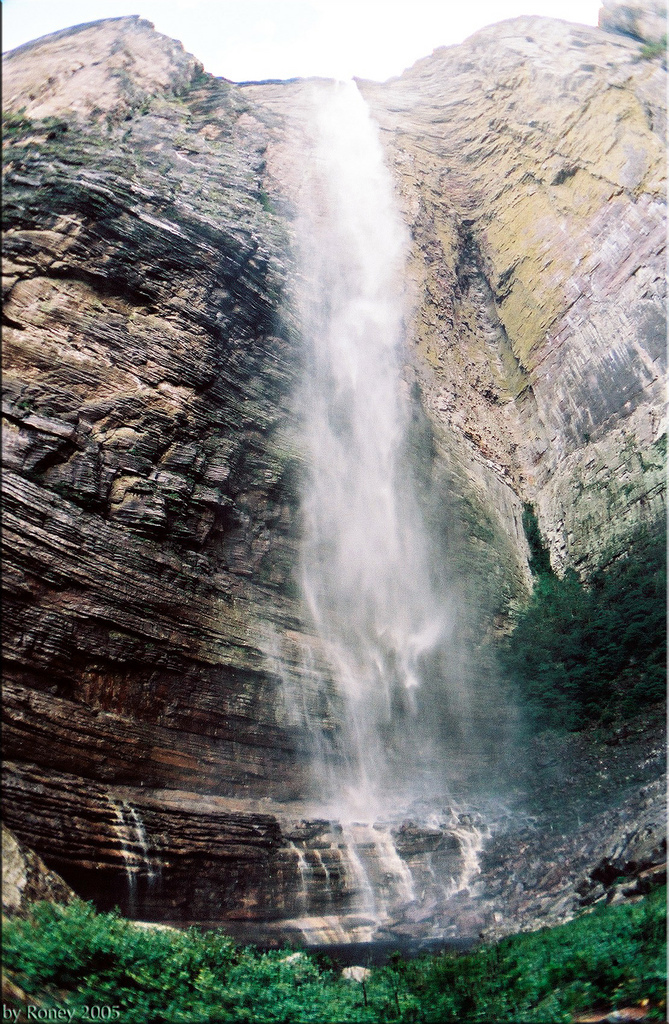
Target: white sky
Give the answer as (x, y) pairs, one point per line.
(255, 39)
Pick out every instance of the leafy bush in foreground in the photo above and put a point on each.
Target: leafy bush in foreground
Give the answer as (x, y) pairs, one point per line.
(71, 956)
(615, 955)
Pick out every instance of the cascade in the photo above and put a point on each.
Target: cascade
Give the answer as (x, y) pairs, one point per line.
(131, 860)
(378, 607)
(373, 586)
(135, 851)
(152, 865)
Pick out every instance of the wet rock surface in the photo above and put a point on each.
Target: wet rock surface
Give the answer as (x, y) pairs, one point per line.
(549, 876)
(538, 218)
(267, 875)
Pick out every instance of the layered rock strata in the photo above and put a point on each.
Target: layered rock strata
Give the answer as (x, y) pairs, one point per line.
(531, 161)
(149, 519)
(165, 856)
(158, 661)
(268, 877)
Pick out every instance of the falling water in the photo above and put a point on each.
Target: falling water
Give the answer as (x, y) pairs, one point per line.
(366, 565)
(131, 861)
(135, 850)
(152, 866)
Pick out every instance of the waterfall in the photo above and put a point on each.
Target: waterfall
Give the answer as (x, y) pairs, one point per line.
(135, 851)
(131, 861)
(366, 574)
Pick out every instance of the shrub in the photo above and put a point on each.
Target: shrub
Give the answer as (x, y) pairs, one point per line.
(581, 654)
(73, 957)
(15, 125)
(612, 956)
(649, 51)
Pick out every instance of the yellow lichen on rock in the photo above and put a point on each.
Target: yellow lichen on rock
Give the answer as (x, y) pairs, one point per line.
(614, 140)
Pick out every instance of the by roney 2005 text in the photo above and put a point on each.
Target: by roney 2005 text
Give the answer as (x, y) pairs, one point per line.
(60, 1013)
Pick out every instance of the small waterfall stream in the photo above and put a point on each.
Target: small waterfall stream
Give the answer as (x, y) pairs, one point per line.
(135, 850)
(132, 861)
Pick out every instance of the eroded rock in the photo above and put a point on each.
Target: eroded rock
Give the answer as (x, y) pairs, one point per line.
(26, 878)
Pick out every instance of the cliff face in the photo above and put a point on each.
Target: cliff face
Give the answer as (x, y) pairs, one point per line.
(147, 390)
(152, 453)
(645, 22)
(26, 878)
(531, 160)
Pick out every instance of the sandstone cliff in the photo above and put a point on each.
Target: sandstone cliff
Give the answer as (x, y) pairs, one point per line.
(154, 636)
(535, 178)
(147, 382)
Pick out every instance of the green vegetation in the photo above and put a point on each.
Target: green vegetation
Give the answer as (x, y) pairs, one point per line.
(200, 78)
(582, 655)
(14, 125)
(540, 562)
(71, 956)
(55, 127)
(265, 201)
(657, 49)
(614, 956)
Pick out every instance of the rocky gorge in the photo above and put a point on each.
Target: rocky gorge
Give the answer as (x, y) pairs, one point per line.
(160, 669)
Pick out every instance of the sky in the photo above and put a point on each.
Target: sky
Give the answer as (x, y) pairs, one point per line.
(256, 39)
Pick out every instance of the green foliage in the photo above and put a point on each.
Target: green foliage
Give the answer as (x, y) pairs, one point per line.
(156, 975)
(540, 562)
(14, 125)
(581, 655)
(614, 956)
(200, 78)
(71, 956)
(657, 49)
(265, 201)
(55, 127)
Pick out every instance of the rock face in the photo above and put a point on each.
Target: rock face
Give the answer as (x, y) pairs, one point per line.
(169, 856)
(646, 22)
(26, 878)
(536, 181)
(152, 454)
(146, 447)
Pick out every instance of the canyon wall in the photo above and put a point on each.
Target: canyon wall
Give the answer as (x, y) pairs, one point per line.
(147, 385)
(156, 649)
(535, 178)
